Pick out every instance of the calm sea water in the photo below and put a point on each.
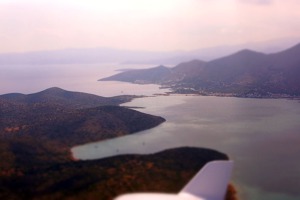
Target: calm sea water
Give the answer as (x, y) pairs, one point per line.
(260, 135)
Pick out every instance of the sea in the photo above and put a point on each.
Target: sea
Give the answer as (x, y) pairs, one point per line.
(261, 136)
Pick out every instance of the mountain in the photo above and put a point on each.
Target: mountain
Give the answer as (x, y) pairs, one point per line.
(245, 73)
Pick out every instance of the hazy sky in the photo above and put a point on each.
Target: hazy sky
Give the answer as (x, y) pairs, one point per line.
(161, 25)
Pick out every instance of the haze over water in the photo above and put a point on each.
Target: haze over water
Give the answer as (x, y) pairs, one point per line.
(28, 79)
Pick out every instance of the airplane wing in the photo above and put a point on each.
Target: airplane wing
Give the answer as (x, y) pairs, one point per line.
(210, 183)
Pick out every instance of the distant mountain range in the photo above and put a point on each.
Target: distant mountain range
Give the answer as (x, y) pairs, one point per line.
(245, 73)
(110, 55)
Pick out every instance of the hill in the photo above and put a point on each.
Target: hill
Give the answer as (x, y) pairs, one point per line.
(166, 171)
(65, 98)
(41, 128)
(245, 74)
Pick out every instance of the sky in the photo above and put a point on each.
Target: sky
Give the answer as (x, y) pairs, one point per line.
(153, 25)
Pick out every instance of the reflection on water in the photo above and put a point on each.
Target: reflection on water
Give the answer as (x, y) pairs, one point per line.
(261, 135)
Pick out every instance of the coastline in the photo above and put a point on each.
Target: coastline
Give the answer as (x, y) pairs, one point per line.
(193, 92)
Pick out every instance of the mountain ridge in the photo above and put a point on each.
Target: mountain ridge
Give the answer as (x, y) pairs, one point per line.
(245, 73)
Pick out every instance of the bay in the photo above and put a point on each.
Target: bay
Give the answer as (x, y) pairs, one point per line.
(260, 135)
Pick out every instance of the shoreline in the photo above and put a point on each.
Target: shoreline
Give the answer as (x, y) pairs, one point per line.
(221, 94)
